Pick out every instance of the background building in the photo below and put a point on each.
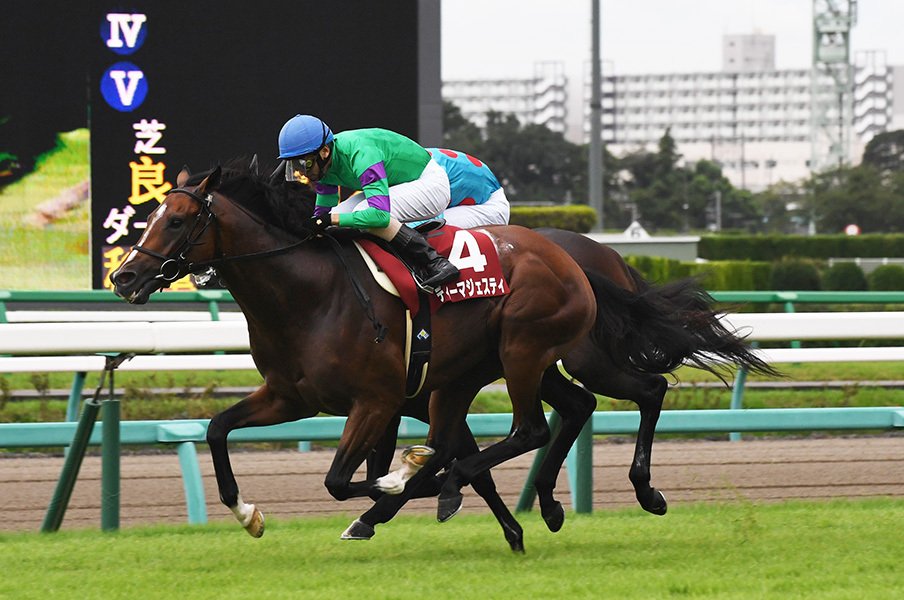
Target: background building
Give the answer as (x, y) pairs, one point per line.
(757, 121)
(540, 99)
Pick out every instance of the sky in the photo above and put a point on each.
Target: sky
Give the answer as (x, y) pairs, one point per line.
(504, 38)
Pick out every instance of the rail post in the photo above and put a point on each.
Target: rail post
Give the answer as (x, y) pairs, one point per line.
(579, 466)
(75, 395)
(72, 463)
(110, 458)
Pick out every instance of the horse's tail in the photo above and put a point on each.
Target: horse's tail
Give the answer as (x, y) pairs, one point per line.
(660, 327)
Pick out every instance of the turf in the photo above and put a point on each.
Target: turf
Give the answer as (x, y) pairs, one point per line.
(838, 549)
(56, 256)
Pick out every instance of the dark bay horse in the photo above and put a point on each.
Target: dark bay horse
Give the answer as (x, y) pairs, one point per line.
(643, 331)
(315, 347)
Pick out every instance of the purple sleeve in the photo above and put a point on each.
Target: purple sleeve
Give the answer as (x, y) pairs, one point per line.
(375, 185)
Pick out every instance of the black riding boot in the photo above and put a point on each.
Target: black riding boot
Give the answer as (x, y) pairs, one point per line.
(432, 269)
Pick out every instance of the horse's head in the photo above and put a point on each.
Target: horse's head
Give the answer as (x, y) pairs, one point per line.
(179, 234)
(230, 213)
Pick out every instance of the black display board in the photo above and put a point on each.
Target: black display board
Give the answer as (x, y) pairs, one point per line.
(200, 83)
(167, 83)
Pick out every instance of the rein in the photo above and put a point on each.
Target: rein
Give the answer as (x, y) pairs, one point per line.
(173, 268)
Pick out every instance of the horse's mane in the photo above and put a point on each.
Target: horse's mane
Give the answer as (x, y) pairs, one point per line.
(283, 204)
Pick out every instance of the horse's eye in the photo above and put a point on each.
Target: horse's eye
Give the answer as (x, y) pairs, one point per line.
(176, 223)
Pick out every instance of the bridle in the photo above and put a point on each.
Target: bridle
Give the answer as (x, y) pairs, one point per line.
(178, 265)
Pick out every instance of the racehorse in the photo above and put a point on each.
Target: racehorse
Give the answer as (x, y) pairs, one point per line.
(646, 330)
(315, 348)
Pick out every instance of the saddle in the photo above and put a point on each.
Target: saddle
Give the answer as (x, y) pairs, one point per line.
(472, 251)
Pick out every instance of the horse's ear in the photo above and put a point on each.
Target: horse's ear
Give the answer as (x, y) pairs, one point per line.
(279, 170)
(253, 166)
(211, 182)
(183, 176)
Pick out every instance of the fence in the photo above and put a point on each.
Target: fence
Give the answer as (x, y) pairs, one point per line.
(54, 343)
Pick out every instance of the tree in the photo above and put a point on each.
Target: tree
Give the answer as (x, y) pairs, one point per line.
(656, 187)
(459, 133)
(854, 195)
(885, 153)
(775, 206)
(532, 162)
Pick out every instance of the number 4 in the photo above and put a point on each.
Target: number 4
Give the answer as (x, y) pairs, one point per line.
(475, 259)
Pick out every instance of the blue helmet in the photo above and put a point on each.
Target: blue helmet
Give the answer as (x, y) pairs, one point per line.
(303, 134)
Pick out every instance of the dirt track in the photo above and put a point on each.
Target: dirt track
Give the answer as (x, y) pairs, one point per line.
(289, 484)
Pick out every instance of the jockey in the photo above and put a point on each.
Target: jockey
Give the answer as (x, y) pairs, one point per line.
(477, 197)
(401, 183)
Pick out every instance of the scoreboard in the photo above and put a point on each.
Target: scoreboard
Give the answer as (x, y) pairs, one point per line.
(172, 83)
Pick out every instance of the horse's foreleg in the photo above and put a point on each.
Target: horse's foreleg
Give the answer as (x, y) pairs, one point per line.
(485, 487)
(365, 430)
(260, 408)
(575, 405)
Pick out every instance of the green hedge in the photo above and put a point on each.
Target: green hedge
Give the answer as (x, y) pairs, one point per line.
(714, 276)
(887, 278)
(574, 217)
(726, 275)
(775, 247)
(795, 274)
(844, 277)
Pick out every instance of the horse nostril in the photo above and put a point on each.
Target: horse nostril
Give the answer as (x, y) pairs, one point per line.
(123, 277)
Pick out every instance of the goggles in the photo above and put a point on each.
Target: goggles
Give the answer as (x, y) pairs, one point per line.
(297, 168)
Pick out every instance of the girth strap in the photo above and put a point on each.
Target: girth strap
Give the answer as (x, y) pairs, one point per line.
(360, 293)
(419, 357)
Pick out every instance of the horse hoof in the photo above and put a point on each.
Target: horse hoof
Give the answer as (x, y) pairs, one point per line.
(659, 505)
(417, 456)
(358, 530)
(515, 538)
(255, 527)
(555, 517)
(448, 507)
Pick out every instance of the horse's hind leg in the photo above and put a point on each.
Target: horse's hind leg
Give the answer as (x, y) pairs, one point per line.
(261, 407)
(485, 487)
(575, 405)
(599, 375)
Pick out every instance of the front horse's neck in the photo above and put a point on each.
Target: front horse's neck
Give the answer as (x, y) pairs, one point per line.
(270, 287)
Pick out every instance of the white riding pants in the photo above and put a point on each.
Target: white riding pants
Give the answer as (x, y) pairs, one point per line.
(423, 198)
(495, 211)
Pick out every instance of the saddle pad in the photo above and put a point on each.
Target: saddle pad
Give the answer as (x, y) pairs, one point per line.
(472, 251)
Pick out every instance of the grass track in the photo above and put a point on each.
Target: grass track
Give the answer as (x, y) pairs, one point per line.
(839, 549)
(53, 257)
